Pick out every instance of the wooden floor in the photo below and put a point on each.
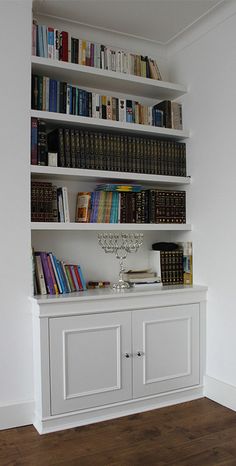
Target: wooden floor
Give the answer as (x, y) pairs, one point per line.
(200, 433)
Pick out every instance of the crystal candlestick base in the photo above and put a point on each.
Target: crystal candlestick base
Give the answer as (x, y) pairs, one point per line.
(120, 244)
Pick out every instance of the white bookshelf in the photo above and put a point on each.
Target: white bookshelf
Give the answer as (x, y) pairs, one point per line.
(87, 76)
(54, 226)
(97, 123)
(79, 174)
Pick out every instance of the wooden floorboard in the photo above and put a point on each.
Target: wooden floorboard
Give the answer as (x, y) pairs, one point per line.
(197, 433)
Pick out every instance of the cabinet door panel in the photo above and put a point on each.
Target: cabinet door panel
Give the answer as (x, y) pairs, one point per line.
(87, 358)
(167, 340)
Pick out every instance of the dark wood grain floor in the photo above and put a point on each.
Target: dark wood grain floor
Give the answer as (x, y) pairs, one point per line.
(198, 433)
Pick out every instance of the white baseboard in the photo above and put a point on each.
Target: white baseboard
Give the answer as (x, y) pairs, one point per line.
(105, 413)
(16, 414)
(221, 392)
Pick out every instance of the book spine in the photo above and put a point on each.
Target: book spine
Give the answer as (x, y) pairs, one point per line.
(47, 274)
(52, 274)
(82, 278)
(40, 275)
(34, 141)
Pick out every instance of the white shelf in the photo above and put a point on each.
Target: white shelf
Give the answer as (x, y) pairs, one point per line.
(87, 76)
(80, 174)
(95, 123)
(110, 226)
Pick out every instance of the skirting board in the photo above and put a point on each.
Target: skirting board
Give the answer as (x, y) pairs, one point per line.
(16, 415)
(221, 392)
(105, 413)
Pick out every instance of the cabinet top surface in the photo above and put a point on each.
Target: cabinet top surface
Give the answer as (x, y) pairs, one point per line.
(109, 293)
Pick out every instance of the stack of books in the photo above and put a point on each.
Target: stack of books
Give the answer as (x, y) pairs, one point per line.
(54, 277)
(88, 149)
(49, 42)
(142, 278)
(173, 262)
(49, 203)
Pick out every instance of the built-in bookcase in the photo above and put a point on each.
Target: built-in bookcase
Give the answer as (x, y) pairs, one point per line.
(77, 241)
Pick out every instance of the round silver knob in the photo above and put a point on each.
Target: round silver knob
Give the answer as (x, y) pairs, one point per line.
(127, 355)
(140, 353)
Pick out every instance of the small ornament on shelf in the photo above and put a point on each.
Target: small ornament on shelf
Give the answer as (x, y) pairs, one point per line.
(120, 244)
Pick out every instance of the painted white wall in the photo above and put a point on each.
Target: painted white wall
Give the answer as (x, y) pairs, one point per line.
(205, 60)
(16, 365)
(16, 381)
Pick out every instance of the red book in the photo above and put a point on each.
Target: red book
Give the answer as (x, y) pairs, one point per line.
(63, 46)
(78, 278)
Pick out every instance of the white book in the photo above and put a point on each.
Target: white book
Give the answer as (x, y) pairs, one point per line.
(56, 44)
(60, 208)
(65, 204)
(122, 110)
(68, 99)
(155, 262)
(140, 286)
(118, 60)
(80, 52)
(145, 280)
(45, 41)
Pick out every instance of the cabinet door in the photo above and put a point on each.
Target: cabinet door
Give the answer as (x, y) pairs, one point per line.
(165, 349)
(88, 361)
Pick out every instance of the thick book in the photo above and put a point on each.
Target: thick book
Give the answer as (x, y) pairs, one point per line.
(47, 274)
(165, 107)
(39, 274)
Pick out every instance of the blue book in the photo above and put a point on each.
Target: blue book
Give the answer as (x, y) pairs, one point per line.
(50, 32)
(45, 41)
(52, 95)
(56, 272)
(129, 111)
(62, 276)
(40, 41)
(71, 100)
(82, 278)
(80, 102)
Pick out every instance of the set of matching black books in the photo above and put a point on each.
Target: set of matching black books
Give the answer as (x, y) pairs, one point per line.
(79, 148)
(49, 203)
(172, 272)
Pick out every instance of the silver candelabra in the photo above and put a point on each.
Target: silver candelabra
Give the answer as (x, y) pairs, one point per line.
(120, 244)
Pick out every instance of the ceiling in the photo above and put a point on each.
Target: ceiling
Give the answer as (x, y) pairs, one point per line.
(158, 20)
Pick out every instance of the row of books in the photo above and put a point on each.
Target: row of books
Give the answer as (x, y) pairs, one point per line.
(145, 206)
(55, 96)
(54, 277)
(49, 203)
(80, 148)
(173, 262)
(49, 42)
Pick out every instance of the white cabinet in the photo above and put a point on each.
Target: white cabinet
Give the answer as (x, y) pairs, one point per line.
(99, 355)
(88, 361)
(165, 348)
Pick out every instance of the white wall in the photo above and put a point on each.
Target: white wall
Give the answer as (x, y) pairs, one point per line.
(205, 60)
(16, 365)
(16, 382)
